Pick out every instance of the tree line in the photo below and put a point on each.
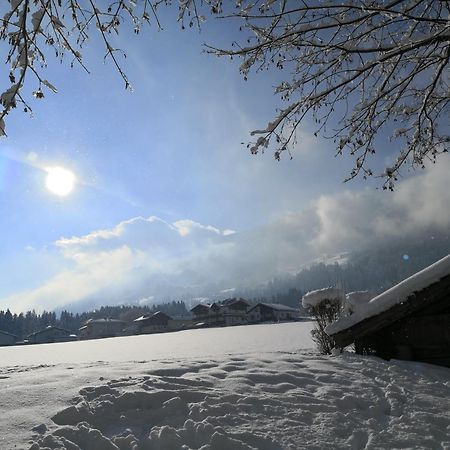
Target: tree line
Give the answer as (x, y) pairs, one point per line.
(24, 324)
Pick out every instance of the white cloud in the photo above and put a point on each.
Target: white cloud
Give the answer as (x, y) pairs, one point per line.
(186, 227)
(349, 219)
(99, 235)
(146, 300)
(148, 258)
(103, 269)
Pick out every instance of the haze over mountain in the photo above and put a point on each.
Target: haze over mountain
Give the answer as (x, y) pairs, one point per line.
(147, 260)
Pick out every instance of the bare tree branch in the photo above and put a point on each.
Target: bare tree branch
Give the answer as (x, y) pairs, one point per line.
(361, 70)
(360, 67)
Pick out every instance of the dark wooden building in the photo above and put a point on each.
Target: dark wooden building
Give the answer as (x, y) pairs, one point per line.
(232, 311)
(50, 335)
(153, 323)
(272, 312)
(414, 327)
(102, 328)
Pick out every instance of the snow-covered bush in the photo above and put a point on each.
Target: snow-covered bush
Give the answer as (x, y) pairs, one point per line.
(325, 305)
(356, 300)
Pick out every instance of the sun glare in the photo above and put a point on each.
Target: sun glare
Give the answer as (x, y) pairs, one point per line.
(59, 181)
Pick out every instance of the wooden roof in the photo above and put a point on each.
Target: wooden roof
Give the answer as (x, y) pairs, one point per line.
(433, 298)
(199, 307)
(156, 318)
(49, 329)
(275, 307)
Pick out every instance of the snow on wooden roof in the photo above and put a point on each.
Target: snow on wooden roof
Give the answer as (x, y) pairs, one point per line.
(47, 329)
(313, 298)
(279, 307)
(148, 317)
(104, 320)
(201, 306)
(395, 295)
(356, 299)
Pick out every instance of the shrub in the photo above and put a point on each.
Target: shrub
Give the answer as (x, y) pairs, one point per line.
(325, 306)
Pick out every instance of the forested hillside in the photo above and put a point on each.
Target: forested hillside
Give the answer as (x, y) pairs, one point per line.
(375, 269)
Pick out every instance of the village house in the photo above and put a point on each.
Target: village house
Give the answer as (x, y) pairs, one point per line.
(225, 313)
(7, 338)
(49, 335)
(152, 323)
(234, 311)
(409, 321)
(200, 313)
(102, 328)
(159, 322)
(272, 312)
(177, 324)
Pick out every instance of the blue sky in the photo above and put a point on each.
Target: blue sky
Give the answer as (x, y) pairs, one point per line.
(163, 178)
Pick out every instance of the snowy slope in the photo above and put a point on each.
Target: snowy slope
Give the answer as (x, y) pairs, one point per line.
(270, 391)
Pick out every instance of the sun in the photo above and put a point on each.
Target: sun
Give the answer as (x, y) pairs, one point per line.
(59, 181)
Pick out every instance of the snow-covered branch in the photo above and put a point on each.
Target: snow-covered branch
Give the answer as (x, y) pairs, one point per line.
(359, 69)
(36, 29)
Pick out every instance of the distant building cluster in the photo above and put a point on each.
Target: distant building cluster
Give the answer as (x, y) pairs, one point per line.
(239, 312)
(230, 312)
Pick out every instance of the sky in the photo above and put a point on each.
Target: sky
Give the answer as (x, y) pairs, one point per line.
(167, 201)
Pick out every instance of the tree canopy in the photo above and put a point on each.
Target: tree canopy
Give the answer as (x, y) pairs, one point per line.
(361, 69)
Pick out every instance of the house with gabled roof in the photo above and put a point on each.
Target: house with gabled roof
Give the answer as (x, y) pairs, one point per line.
(51, 334)
(229, 312)
(409, 321)
(160, 322)
(102, 328)
(152, 323)
(272, 312)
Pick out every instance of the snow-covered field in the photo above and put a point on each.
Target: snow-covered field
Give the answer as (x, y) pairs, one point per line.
(259, 386)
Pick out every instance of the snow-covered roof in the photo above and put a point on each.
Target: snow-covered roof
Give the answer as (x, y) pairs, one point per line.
(220, 304)
(105, 320)
(277, 307)
(358, 297)
(49, 328)
(156, 315)
(395, 295)
(201, 306)
(144, 317)
(314, 298)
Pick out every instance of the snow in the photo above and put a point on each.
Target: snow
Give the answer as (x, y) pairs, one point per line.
(355, 300)
(250, 387)
(395, 295)
(279, 307)
(314, 298)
